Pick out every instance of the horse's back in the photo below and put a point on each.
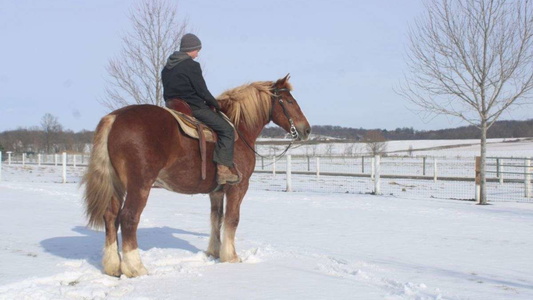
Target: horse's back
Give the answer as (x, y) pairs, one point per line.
(146, 126)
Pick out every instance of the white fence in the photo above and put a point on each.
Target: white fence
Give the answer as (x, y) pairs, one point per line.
(45, 159)
(508, 179)
(63, 160)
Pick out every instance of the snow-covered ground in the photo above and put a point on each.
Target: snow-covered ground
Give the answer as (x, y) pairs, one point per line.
(293, 246)
(519, 147)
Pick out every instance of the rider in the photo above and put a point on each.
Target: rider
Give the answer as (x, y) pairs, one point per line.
(182, 79)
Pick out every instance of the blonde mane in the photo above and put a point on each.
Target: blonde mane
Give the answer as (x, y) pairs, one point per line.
(249, 103)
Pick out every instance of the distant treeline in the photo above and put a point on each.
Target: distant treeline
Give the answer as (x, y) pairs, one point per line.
(37, 140)
(500, 129)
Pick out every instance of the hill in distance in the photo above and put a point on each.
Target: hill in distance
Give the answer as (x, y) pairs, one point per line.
(500, 129)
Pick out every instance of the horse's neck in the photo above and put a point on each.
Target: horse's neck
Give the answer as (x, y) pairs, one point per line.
(251, 134)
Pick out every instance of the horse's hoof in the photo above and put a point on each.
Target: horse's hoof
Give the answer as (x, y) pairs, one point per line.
(212, 254)
(114, 273)
(131, 272)
(234, 259)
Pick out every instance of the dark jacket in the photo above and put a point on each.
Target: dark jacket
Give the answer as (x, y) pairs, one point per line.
(182, 78)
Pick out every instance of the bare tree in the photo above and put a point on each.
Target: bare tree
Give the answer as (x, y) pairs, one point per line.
(352, 149)
(471, 59)
(51, 131)
(134, 75)
(348, 149)
(329, 149)
(376, 143)
(410, 150)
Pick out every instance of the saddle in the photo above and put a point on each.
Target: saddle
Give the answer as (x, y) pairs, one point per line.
(192, 127)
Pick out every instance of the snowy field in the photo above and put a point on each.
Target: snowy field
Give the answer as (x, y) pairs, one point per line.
(293, 246)
(515, 147)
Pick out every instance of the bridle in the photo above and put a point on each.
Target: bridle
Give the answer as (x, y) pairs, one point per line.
(276, 95)
(294, 133)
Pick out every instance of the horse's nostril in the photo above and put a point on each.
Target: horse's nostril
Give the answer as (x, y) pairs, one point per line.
(308, 131)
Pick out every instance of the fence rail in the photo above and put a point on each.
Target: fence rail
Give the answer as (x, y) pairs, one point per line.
(508, 179)
(453, 178)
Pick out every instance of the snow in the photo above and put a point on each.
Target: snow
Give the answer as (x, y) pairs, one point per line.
(520, 147)
(293, 246)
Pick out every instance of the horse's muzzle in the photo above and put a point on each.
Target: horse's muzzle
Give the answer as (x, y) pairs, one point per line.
(304, 131)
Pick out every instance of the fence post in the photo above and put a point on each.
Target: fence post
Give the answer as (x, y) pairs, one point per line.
(317, 167)
(9, 157)
(289, 180)
(501, 173)
(55, 159)
(527, 175)
(64, 167)
(424, 166)
(273, 166)
(262, 162)
(39, 159)
(74, 160)
(435, 170)
(478, 179)
(23, 159)
(308, 164)
(362, 164)
(497, 167)
(373, 171)
(376, 171)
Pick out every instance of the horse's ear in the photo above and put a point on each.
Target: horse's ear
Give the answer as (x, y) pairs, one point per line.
(284, 80)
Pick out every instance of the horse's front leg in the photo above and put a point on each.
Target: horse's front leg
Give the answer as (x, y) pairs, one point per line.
(234, 197)
(130, 215)
(217, 214)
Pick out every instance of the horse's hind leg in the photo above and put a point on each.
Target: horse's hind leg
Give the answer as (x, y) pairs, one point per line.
(217, 214)
(130, 215)
(111, 257)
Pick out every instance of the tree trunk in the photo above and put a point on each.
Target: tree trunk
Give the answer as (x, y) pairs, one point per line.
(483, 186)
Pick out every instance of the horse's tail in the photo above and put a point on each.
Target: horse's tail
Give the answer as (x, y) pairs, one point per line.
(101, 181)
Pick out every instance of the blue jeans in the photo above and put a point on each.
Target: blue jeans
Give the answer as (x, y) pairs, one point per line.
(226, 135)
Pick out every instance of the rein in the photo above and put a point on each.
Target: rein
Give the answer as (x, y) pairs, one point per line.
(292, 130)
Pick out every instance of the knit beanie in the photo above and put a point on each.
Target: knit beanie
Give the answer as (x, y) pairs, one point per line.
(190, 42)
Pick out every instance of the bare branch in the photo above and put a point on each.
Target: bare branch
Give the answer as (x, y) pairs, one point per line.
(134, 75)
(471, 59)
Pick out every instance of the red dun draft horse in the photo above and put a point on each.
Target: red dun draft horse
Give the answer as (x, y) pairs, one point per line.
(139, 145)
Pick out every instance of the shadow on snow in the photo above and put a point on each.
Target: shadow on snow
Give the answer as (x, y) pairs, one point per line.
(89, 246)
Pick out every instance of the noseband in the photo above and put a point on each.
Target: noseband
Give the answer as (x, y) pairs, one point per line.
(277, 96)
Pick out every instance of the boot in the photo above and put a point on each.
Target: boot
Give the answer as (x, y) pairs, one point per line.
(224, 175)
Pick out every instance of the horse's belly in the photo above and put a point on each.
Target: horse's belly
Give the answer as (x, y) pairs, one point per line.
(189, 183)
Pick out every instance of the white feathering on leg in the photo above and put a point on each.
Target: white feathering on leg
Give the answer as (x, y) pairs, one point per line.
(132, 265)
(227, 250)
(111, 260)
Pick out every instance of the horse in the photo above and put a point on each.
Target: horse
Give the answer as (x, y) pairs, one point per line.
(138, 146)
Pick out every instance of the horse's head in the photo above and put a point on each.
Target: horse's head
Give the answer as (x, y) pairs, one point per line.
(286, 112)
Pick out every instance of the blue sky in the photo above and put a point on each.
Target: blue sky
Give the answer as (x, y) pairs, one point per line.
(344, 57)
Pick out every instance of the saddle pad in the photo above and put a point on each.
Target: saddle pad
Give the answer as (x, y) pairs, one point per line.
(189, 125)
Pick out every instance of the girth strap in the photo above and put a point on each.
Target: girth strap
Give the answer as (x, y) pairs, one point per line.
(201, 137)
